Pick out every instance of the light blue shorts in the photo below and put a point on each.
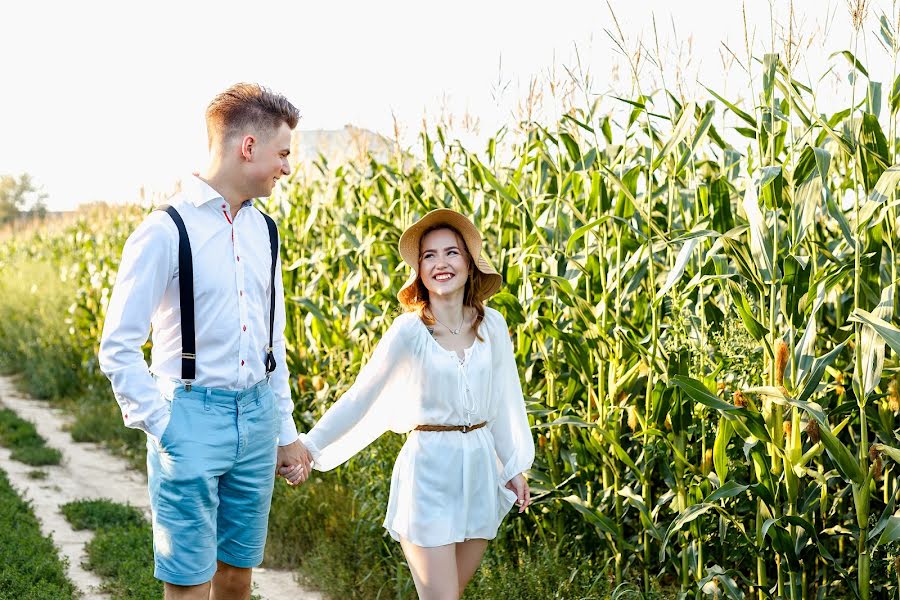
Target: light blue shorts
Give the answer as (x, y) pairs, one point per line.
(210, 478)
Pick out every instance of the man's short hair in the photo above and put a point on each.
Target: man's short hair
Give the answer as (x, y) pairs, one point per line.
(248, 107)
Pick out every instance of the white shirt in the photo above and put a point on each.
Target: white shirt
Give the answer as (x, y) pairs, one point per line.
(232, 266)
(446, 486)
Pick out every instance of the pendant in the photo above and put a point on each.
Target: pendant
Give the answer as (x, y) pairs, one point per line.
(454, 331)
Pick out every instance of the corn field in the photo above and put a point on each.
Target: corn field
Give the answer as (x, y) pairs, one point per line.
(706, 327)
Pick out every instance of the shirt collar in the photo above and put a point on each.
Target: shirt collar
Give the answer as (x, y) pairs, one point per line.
(199, 192)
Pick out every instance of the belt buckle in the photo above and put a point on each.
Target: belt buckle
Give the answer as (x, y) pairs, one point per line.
(465, 429)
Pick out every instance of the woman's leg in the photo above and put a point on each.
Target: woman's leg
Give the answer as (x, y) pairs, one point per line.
(433, 570)
(468, 557)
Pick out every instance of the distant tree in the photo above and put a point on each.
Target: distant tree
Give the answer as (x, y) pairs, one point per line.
(20, 194)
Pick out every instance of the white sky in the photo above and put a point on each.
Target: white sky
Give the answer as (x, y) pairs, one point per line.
(101, 97)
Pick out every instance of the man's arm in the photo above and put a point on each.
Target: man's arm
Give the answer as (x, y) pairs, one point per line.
(287, 432)
(293, 459)
(147, 266)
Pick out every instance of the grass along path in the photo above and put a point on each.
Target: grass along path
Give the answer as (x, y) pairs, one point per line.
(29, 564)
(45, 493)
(26, 444)
(88, 471)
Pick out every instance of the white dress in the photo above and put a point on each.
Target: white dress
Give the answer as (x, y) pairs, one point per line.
(446, 486)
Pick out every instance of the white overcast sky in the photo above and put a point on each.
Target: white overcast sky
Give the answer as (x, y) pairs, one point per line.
(101, 97)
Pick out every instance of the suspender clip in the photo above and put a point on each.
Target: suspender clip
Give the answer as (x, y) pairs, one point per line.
(187, 384)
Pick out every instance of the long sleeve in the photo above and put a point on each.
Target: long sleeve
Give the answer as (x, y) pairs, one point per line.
(146, 268)
(370, 406)
(287, 431)
(512, 434)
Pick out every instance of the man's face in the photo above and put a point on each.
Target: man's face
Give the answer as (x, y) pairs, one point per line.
(269, 162)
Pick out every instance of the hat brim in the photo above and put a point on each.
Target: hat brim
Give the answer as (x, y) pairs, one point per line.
(410, 241)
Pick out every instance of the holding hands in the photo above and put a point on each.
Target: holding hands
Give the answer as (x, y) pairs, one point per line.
(294, 463)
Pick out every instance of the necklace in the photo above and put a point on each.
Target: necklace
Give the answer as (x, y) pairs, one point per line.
(453, 331)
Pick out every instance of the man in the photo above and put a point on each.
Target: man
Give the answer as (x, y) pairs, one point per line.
(215, 438)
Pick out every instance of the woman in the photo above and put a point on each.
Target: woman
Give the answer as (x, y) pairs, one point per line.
(445, 372)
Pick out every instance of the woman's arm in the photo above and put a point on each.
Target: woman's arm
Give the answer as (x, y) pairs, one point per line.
(367, 409)
(510, 428)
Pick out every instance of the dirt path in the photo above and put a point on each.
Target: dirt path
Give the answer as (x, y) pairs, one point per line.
(89, 472)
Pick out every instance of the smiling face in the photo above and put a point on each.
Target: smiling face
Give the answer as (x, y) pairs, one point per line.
(444, 263)
(267, 160)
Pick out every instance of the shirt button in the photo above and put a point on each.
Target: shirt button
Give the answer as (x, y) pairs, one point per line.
(245, 328)
(242, 362)
(239, 259)
(242, 292)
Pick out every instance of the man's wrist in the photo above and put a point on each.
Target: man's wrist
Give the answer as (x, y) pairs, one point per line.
(282, 445)
(287, 432)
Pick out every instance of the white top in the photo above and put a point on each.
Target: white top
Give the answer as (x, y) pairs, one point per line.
(232, 264)
(446, 486)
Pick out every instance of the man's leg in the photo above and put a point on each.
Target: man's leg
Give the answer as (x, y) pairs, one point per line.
(187, 592)
(230, 583)
(245, 491)
(183, 468)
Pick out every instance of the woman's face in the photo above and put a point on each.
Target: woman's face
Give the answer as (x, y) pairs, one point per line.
(443, 263)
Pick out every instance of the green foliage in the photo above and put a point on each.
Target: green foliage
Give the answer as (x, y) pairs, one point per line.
(695, 325)
(26, 443)
(121, 551)
(100, 514)
(330, 528)
(30, 568)
(17, 194)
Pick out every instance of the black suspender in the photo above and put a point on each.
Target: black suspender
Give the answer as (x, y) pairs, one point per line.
(273, 245)
(186, 297)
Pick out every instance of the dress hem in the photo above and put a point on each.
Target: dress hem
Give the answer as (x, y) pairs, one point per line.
(454, 540)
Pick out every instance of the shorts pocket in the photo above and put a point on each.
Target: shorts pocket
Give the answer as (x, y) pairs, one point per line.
(165, 438)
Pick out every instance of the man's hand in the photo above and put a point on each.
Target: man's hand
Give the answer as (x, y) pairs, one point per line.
(294, 462)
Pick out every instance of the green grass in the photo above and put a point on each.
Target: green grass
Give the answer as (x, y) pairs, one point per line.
(330, 530)
(99, 420)
(537, 573)
(26, 443)
(101, 514)
(121, 551)
(30, 568)
(35, 336)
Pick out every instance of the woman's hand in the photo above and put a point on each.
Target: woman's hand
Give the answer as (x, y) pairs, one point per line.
(520, 487)
(294, 462)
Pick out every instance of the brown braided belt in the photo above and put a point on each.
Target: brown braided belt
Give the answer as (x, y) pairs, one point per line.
(463, 428)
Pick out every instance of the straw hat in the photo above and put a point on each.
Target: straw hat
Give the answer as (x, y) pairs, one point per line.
(412, 237)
